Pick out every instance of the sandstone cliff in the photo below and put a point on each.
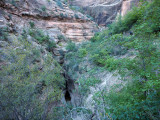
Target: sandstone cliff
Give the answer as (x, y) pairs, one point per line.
(53, 16)
(105, 11)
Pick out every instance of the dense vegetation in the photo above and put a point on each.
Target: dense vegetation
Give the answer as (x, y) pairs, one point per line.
(31, 80)
(130, 46)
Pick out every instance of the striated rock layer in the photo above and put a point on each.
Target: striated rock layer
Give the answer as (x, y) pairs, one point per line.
(48, 15)
(105, 11)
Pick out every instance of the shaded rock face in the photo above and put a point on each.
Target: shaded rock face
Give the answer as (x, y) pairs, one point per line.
(127, 5)
(47, 15)
(105, 11)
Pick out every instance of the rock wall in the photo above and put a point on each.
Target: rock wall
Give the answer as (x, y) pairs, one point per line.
(56, 19)
(127, 5)
(105, 11)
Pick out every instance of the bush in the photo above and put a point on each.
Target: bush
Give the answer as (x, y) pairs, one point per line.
(146, 11)
(61, 37)
(61, 15)
(51, 45)
(138, 96)
(86, 83)
(32, 25)
(125, 23)
(23, 82)
(111, 64)
(95, 37)
(42, 38)
(76, 16)
(82, 53)
(71, 47)
(3, 33)
(43, 8)
(117, 44)
(39, 35)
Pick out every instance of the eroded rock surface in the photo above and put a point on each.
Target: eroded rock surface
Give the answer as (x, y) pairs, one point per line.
(48, 15)
(105, 11)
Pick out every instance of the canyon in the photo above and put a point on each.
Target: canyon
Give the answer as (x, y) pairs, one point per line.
(62, 62)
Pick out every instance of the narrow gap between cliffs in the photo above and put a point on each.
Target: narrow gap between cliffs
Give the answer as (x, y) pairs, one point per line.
(69, 83)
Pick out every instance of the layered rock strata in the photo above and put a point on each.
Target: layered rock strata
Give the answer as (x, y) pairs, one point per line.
(47, 15)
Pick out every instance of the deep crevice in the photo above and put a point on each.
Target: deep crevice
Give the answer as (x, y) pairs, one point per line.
(69, 83)
(67, 96)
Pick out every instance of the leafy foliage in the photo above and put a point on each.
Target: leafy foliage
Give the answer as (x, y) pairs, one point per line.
(51, 45)
(147, 11)
(138, 99)
(76, 16)
(82, 52)
(32, 25)
(135, 57)
(71, 47)
(3, 33)
(61, 37)
(24, 82)
(39, 35)
(43, 8)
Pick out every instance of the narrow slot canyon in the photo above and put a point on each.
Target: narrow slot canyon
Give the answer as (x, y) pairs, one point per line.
(69, 83)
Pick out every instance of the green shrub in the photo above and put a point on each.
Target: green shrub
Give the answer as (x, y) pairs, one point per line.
(125, 23)
(36, 53)
(61, 37)
(116, 44)
(32, 25)
(151, 17)
(51, 45)
(43, 8)
(138, 96)
(71, 47)
(22, 78)
(3, 33)
(129, 103)
(61, 15)
(82, 53)
(100, 57)
(146, 11)
(76, 16)
(111, 64)
(39, 35)
(42, 38)
(95, 37)
(86, 83)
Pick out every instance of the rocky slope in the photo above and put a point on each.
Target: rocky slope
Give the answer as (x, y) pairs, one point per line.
(33, 34)
(105, 11)
(53, 16)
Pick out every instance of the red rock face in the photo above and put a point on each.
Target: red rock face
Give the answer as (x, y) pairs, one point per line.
(47, 15)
